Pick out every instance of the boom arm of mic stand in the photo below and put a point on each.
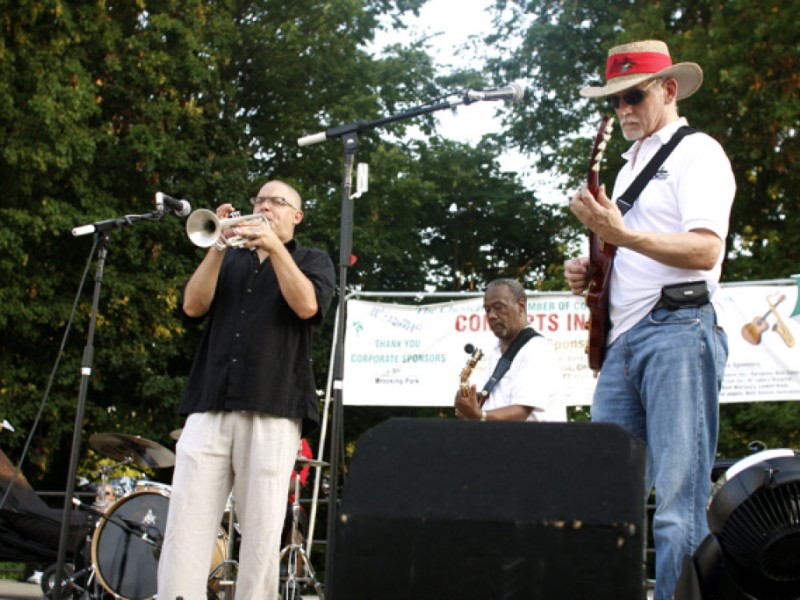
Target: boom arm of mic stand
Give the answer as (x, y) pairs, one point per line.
(109, 224)
(357, 127)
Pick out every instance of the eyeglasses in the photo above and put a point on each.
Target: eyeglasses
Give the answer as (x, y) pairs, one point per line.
(632, 97)
(274, 201)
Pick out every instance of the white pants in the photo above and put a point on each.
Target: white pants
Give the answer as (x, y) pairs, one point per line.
(251, 453)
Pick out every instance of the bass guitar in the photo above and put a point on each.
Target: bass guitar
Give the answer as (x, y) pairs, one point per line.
(601, 258)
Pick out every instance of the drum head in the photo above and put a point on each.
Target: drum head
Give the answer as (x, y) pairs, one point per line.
(126, 546)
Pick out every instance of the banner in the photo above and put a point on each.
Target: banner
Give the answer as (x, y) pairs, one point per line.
(763, 327)
(413, 355)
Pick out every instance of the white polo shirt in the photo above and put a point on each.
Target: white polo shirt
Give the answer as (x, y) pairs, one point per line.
(532, 380)
(693, 189)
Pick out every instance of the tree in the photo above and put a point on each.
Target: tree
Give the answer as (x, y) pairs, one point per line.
(749, 102)
(749, 99)
(104, 104)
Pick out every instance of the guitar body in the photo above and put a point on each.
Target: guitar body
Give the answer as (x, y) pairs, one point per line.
(753, 330)
(601, 260)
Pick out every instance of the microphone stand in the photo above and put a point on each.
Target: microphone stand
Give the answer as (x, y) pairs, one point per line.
(101, 230)
(349, 136)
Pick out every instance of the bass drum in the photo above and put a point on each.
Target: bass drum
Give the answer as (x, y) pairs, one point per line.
(126, 547)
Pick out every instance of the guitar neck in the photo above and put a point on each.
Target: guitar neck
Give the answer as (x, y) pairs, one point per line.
(596, 157)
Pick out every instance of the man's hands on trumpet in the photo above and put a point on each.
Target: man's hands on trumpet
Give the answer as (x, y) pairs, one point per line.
(254, 234)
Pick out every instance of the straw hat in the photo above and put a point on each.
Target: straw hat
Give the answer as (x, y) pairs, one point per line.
(631, 64)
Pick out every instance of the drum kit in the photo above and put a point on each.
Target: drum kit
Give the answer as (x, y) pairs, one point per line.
(130, 522)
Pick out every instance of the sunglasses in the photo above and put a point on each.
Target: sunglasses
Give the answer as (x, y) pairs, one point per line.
(631, 98)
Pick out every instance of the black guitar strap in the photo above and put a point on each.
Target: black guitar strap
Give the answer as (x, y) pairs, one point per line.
(626, 200)
(505, 361)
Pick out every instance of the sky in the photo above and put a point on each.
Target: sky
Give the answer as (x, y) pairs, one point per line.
(448, 28)
(453, 23)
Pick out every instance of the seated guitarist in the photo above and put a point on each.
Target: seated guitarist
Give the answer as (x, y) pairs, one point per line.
(665, 353)
(525, 389)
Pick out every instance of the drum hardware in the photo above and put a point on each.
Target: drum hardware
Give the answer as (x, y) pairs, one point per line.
(295, 554)
(94, 586)
(106, 494)
(133, 448)
(125, 556)
(128, 525)
(221, 580)
(70, 581)
(78, 576)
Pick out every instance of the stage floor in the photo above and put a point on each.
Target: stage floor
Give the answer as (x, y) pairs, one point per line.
(19, 590)
(12, 590)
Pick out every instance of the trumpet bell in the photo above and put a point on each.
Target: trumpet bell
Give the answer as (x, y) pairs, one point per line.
(203, 228)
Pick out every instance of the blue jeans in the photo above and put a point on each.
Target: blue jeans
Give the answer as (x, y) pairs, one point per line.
(660, 380)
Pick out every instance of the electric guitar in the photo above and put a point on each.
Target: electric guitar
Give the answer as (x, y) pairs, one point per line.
(601, 258)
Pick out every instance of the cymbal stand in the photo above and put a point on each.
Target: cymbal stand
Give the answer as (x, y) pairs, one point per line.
(295, 555)
(104, 471)
(224, 573)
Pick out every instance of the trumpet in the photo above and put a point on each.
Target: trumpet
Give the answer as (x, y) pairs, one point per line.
(204, 227)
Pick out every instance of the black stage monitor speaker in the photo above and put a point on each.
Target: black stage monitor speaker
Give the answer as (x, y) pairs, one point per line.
(492, 511)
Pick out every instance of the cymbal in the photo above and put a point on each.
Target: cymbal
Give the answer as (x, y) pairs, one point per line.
(136, 449)
(175, 434)
(301, 462)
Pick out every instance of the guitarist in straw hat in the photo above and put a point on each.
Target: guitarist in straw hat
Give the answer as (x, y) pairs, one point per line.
(664, 353)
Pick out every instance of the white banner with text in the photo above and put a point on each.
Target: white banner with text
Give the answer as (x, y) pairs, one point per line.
(413, 355)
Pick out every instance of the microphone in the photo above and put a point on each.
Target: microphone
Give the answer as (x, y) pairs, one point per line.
(513, 92)
(181, 208)
(469, 348)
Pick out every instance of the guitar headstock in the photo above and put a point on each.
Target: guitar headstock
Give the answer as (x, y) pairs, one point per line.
(598, 152)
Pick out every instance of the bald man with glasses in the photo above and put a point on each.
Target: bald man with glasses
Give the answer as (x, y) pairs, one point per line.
(250, 395)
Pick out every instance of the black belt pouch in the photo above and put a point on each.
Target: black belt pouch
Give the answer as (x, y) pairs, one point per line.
(682, 295)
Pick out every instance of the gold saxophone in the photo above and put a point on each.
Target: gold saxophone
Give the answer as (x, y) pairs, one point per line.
(475, 357)
(780, 327)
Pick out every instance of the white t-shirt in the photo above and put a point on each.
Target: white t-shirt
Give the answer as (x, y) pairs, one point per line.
(532, 380)
(693, 189)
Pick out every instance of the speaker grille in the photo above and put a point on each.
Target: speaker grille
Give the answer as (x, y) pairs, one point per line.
(764, 531)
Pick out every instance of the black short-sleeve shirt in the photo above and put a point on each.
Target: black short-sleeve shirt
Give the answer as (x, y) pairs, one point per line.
(255, 353)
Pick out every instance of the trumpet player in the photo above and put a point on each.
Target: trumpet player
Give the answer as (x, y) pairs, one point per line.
(250, 394)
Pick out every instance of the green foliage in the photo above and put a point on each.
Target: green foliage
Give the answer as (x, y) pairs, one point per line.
(749, 100)
(773, 424)
(103, 104)
(440, 216)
